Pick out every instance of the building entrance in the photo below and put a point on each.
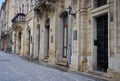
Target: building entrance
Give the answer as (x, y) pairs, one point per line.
(102, 43)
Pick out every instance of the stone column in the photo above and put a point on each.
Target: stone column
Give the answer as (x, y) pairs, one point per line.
(83, 39)
(75, 57)
(13, 42)
(52, 49)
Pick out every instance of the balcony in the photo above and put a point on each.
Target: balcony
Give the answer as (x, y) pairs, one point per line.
(18, 19)
(44, 5)
(4, 34)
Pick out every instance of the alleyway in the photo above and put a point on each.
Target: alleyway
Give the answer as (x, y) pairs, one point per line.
(13, 68)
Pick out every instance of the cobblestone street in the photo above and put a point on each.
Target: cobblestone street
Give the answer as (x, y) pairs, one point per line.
(13, 68)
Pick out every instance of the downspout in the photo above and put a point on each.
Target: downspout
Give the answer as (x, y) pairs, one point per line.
(115, 25)
(70, 34)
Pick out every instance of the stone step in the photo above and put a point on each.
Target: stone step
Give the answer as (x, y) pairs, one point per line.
(45, 60)
(62, 61)
(102, 75)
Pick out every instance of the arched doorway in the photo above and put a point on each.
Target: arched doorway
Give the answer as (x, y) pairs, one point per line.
(47, 35)
(63, 35)
(15, 43)
(28, 41)
(62, 41)
(19, 42)
(38, 40)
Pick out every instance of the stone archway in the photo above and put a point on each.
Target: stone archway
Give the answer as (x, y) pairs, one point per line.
(38, 40)
(64, 17)
(15, 43)
(19, 42)
(47, 37)
(62, 38)
(28, 38)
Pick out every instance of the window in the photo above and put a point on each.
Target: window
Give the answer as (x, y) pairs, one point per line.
(98, 3)
(75, 35)
(31, 4)
(20, 10)
(52, 39)
(27, 7)
(23, 8)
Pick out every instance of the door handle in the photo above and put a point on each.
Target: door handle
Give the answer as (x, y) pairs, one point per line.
(95, 42)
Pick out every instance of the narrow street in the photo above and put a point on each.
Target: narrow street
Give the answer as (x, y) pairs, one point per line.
(14, 68)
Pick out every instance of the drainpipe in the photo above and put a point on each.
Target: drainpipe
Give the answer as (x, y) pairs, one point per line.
(115, 25)
(70, 34)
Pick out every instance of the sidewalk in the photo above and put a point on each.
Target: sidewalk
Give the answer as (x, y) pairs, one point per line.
(92, 75)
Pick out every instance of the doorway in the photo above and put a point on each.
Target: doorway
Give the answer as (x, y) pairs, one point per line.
(38, 40)
(19, 39)
(102, 43)
(15, 44)
(28, 41)
(65, 35)
(47, 33)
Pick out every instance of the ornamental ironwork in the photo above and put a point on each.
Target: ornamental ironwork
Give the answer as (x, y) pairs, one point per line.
(19, 18)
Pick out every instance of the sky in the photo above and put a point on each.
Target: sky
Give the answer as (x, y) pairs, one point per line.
(1, 2)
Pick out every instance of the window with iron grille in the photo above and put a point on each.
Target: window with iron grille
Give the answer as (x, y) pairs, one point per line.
(99, 3)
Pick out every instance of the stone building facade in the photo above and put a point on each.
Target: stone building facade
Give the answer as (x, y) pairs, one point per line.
(23, 27)
(40, 30)
(5, 27)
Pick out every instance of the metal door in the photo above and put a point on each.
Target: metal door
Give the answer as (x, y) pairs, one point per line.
(102, 43)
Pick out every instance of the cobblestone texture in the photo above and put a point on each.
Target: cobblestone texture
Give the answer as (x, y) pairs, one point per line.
(13, 68)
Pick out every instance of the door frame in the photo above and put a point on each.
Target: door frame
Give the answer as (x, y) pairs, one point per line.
(103, 69)
(15, 43)
(47, 29)
(20, 38)
(65, 25)
(94, 37)
(29, 33)
(38, 40)
(28, 39)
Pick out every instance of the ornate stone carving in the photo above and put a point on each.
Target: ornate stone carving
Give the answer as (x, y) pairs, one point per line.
(43, 6)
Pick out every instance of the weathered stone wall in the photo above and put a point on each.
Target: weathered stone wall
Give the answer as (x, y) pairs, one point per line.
(83, 22)
(75, 57)
(114, 59)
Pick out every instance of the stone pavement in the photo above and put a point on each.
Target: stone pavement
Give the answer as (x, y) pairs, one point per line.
(14, 68)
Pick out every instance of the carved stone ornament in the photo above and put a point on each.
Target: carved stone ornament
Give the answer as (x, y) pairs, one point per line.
(43, 6)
